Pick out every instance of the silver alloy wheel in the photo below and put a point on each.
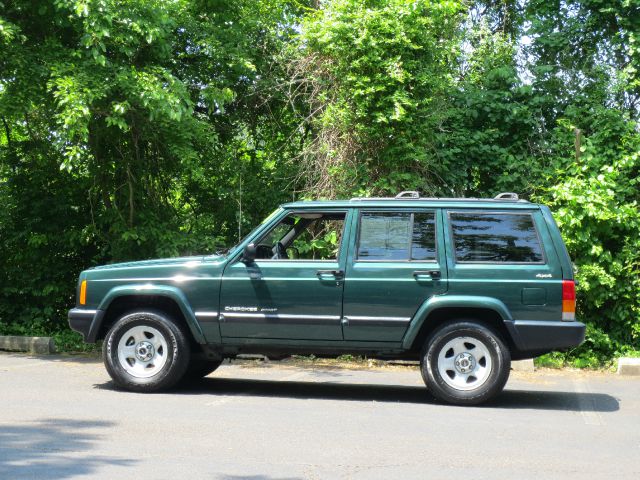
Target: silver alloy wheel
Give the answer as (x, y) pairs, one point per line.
(142, 351)
(464, 363)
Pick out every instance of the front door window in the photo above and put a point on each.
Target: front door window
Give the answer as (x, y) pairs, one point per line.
(303, 236)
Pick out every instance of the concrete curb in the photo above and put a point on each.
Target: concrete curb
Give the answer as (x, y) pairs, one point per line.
(251, 356)
(40, 345)
(629, 367)
(523, 365)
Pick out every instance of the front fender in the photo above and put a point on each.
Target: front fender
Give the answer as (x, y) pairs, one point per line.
(167, 291)
(452, 301)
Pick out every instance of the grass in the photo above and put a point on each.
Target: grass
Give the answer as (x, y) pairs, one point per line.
(68, 341)
(584, 361)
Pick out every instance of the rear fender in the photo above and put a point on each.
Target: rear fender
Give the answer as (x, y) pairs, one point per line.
(454, 301)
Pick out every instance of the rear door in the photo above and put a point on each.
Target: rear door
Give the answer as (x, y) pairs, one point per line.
(396, 262)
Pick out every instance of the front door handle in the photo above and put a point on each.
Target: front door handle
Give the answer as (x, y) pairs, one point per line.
(432, 274)
(332, 273)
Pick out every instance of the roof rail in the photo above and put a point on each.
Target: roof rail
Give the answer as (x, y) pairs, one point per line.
(506, 196)
(413, 195)
(408, 194)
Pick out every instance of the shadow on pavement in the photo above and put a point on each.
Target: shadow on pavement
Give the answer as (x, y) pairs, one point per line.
(317, 390)
(556, 400)
(509, 399)
(53, 449)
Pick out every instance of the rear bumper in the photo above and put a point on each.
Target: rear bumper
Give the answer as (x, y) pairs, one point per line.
(533, 338)
(86, 322)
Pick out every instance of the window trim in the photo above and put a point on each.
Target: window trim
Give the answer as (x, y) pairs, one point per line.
(301, 260)
(493, 262)
(411, 212)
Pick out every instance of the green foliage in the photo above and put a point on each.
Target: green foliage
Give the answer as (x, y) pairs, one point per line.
(585, 75)
(130, 129)
(319, 245)
(596, 206)
(376, 77)
(141, 128)
(551, 360)
(70, 341)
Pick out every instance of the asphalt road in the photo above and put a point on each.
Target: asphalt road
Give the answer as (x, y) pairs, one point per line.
(61, 417)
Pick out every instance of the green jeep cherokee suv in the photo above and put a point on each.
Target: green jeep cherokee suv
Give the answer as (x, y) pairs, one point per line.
(463, 285)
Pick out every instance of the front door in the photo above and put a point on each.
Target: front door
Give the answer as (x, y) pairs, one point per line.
(397, 263)
(293, 290)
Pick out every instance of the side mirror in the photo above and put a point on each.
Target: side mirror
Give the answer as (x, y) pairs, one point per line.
(249, 253)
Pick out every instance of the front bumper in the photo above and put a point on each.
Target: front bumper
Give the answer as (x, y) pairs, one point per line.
(533, 338)
(86, 322)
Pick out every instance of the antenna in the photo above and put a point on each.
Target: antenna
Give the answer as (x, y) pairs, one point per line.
(240, 214)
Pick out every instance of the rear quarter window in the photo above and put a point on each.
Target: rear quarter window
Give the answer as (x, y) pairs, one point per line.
(495, 237)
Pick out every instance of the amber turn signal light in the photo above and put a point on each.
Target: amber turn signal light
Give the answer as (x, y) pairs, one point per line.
(83, 293)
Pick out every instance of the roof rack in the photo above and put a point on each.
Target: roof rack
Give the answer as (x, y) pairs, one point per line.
(507, 196)
(408, 194)
(413, 195)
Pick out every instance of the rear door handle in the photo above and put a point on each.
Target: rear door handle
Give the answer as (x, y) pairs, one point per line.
(433, 274)
(332, 273)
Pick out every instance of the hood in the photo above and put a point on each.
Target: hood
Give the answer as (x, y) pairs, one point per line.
(158, 262)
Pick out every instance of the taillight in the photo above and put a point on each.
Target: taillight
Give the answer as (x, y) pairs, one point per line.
(568, 300)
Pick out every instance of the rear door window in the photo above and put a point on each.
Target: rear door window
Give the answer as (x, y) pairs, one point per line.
(423, 242)
(500, 237)
(397, 236)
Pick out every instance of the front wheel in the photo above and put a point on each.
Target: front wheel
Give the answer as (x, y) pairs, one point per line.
(145, 352)
(465, 363)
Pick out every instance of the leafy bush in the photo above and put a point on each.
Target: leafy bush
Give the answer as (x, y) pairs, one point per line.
(596, 205)
(140, 128)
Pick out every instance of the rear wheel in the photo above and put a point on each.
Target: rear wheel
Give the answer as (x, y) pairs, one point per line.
(465, 363)
(146, 352)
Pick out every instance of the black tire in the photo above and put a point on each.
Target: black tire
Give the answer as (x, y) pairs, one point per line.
(465, 363)
(199, 368)
(155, 335)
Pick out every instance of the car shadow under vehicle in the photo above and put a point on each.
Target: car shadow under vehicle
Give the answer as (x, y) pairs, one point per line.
(328, 390)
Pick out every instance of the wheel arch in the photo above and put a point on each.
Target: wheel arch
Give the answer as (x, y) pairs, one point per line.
(164, 298)
(438, 311)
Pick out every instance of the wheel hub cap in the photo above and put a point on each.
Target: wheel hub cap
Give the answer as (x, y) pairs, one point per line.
(145, 351)
(142, 351)
(465, 362)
